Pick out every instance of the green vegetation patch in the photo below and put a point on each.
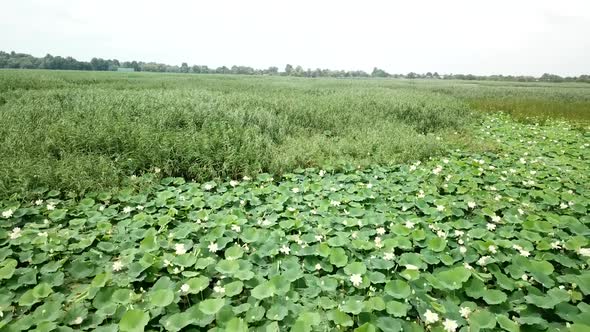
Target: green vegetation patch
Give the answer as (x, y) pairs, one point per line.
(480, 241)
(83, 132)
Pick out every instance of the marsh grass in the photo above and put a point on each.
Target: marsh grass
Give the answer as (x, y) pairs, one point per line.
(80, 131)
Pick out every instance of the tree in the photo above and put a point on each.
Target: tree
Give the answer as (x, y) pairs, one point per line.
(272, 70)
(288, 69)
(379, 73)
(99, 64)
(298, 71)
(184, 68)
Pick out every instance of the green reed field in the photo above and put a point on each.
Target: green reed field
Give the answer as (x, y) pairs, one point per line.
(80, 131)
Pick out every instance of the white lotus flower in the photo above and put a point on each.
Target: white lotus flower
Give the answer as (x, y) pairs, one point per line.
(39, 202)
(584, 252)
(496, 218)
(380, 230)
(157, 170)
(492, 249)
(450, 325)
(246, 178)
(411, 267)
(42, 234)
(167, 263)
(388, 256)
(335, 203)
(295, 190)
(483, 260)
(437, 170)
(180, 249)
(471, 205)
(127, 209)
(378, 242)
(421, 194)
(524, 277)
(356, 279)
(462, 249)
(236, 228)
(354, 235)
(285, 249)
(446, 161)
(491, 226)
(440, 208)
(460, 241)
(208, 186)
(465, 311)
(50, 206)
(101, 208)
(441, 234)
(140, 207)
(322, 172)
(117, 266)
(520, 211)
(413, 168)
(318, 238)
(234, 183)
(185, 288)
(563, 205)
(219, 289)
(467, 266)
(369, 185)
(525, 253)
(318, 266)
(556, 245)
(78, 320)
(430, 317)
(409, 224)
(213, 247)
(16, 233)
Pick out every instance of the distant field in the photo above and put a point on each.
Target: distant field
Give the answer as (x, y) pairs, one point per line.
(80, 131)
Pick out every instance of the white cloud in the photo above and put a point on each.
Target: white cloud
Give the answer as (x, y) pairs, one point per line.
(509, 37)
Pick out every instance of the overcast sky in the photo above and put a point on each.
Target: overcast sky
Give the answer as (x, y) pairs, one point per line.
(480, 37)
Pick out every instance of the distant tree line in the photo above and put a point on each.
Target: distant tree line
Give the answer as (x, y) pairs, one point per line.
(27, 61)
